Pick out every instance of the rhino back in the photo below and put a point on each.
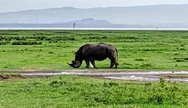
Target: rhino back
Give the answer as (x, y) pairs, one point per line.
(95, 52)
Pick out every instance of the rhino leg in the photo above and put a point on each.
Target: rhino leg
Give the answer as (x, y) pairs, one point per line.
(113, 60)
(116, 64)
(93, 63)
(87, 63)
(112, 64)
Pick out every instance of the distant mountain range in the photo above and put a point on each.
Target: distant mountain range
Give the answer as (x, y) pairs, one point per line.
(84, 23)
(136, 16)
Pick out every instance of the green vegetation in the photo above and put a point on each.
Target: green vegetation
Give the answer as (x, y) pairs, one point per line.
(9, 75)
(80, 92)
(51, 49)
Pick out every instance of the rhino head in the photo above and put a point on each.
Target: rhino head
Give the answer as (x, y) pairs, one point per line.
(75, 64)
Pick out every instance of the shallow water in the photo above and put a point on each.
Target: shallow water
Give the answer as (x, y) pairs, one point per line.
(177, 76)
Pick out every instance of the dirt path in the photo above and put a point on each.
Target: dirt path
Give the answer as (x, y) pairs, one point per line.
(178, 76)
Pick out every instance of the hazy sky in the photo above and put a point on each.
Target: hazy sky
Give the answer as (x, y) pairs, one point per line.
(17, 5)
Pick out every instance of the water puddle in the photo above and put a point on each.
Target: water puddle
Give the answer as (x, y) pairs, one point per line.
(177, 76)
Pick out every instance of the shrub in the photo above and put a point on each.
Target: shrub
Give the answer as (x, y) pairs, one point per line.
(26, 43)
(3, 42)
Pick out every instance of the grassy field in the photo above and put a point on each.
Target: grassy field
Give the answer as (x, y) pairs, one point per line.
(17, 91)
(51, 49)
(83, 92)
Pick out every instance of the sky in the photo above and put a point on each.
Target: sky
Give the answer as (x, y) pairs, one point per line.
(18, 5)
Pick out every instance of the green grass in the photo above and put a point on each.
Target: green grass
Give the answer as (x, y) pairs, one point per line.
(51, 49)
(9, 73)
(84, 92)
(138, 50)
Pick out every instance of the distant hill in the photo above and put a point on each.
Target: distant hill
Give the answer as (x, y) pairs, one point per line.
(84, 23)
(88, 22)
(154, 16)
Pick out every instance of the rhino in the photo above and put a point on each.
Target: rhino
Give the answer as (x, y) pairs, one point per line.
(91, 52)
